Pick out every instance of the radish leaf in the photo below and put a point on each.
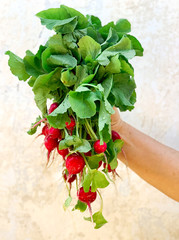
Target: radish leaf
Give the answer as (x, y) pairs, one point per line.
(17, 66)
(83, 103)
(34, 129)
(89, 47)
(94, 160)
(67, 203)
(123, 26)
(96, 179)
(80, 206)
(123, 88)
(123, 47)
(98, 218)
(43, 85)
(62, 60)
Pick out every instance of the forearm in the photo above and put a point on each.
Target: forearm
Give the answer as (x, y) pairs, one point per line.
(154, 162)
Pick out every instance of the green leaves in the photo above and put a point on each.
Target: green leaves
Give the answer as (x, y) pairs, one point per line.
(57, 19)
(98, 218)
(83, 103)
(59, 116)
(68, 78)
(43, 85)
(105, 110)
(33, 64)
(104, 123)
(123, 26)
(82, 21)
(80, 206)
(33, 130)
(89, 47)
(95, 179)
(94, 160)
(17, 66)
(67, 202)
(62, 60)
(123, 89)
(63, 19)
(115, 65)
(56, 44)
(113, 149)
(79, 145)
(94, 21)
(136, 45)
(123, 47)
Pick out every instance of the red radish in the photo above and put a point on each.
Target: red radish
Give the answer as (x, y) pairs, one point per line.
(100, 148)
(111, 170)
(71, 179)
(75, 163)
(86, 197)
(55, 133)
(45, 130)
(115, 135)
(50, 144)
(109, 167)
(88, 154)
(100, 163)
(70, 125)
(63, 152)
(88, 137)
(53, 106)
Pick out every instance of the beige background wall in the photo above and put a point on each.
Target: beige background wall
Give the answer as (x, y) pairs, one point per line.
(31, 198)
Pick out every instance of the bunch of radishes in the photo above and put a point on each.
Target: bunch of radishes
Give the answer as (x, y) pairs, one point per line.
(74, 162)
(84, 69)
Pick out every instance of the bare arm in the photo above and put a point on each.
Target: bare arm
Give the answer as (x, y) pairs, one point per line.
(156, 163)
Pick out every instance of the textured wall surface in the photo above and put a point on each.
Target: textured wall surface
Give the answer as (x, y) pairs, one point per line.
(31, 198)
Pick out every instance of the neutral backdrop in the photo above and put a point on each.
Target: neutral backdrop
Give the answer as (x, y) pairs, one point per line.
(31, 197)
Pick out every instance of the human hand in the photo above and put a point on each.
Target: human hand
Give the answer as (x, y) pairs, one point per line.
(116, 121)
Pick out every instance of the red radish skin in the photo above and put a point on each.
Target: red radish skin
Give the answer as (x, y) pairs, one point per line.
(86, 197)
(100, 163)
(50, 144)
(88, 137)
(70, 179)
(100, 148)
(115, 135)
(88, 154)
(109, 167)
(111, 170)
(55, 133)
(71, 125)
(45, 130)
(63, 152)
(75, 163)
(53, 106)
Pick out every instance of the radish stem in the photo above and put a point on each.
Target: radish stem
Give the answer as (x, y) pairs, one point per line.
(101, 209)
(86, 162)
(90, 211)
(90, 130)
(39, 122)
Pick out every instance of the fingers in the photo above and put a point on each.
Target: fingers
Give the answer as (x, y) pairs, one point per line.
(115, 118)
